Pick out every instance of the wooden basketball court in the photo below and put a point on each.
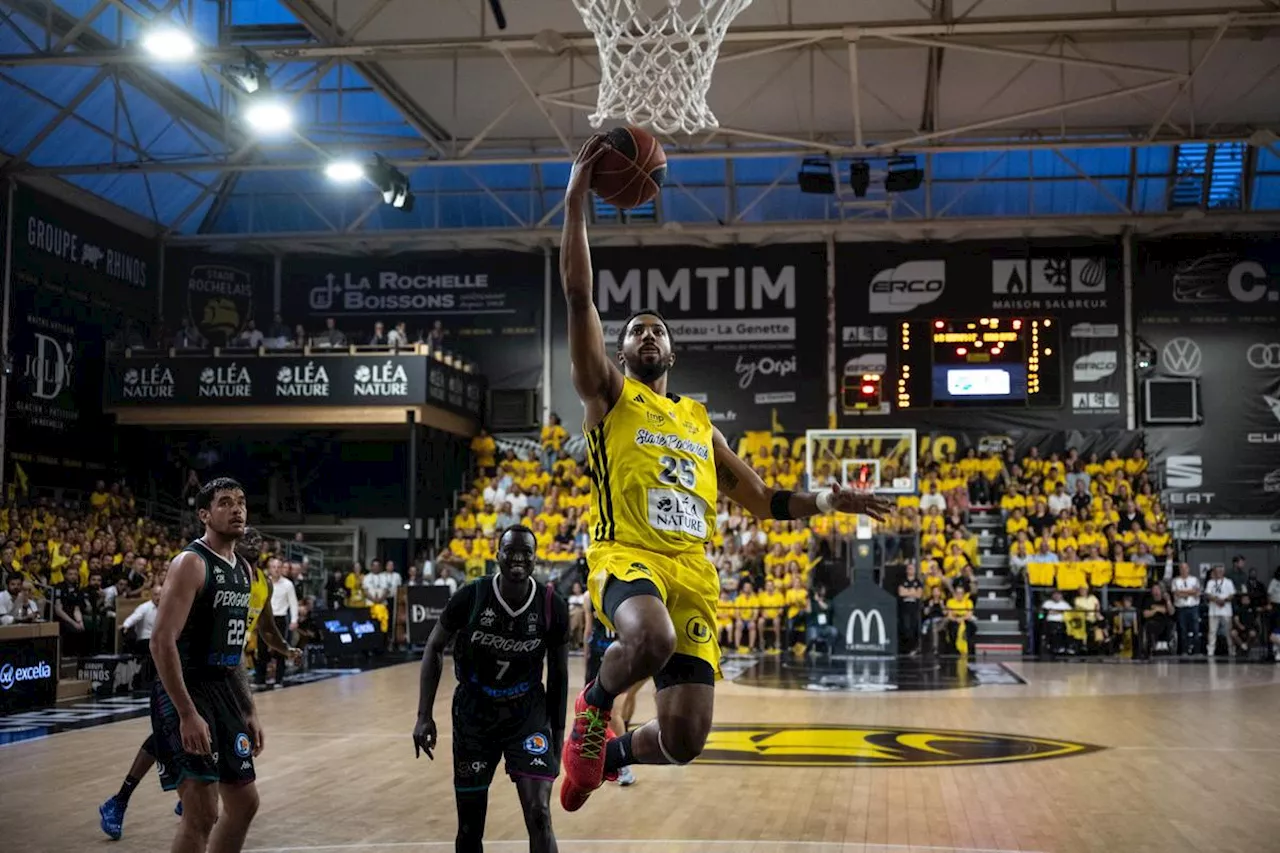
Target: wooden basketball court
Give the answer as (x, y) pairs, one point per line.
(1160, 757)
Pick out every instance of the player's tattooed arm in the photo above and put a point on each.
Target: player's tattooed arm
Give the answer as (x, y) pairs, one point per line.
(741, 484)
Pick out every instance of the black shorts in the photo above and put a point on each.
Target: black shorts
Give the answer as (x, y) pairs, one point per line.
(232, 758)
(485, 731)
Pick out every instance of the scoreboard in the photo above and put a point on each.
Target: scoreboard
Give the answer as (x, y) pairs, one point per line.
(950, 363)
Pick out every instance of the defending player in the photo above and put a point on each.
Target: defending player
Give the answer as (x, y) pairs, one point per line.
(505, 626)
(202, 714)
(659, 463)
(111, 813)
(597, 639)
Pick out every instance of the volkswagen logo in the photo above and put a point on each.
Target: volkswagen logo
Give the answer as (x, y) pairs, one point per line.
(1181, 357)
(1264, 356)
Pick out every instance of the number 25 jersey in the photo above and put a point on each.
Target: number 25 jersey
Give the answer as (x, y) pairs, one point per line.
(654, 484)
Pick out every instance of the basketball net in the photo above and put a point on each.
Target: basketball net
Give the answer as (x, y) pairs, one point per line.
(655, 68)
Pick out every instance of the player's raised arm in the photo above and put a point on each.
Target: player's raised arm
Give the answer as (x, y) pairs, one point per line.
(743, 486)
(183, 583)
(596, 379)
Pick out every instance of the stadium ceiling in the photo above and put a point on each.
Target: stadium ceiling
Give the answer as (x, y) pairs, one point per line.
(1028, 118)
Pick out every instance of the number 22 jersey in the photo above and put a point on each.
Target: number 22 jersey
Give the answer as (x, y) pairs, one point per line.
(654, 472)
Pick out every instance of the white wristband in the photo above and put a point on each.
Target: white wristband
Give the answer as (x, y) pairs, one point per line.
(826, 501)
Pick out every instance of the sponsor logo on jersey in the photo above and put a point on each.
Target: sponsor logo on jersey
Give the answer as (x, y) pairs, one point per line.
(488, 617)
(243, 747)
(485, 640)
(671, 441)
(696, 629)
(678, 512)
(230, 598)
(536, 744)
(874, 746)
(537, 762)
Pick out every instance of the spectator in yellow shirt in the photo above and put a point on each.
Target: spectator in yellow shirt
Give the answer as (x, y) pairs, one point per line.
(955, 561)
(485, 450)
(1017, 522)
(797, 598)
(772, 603)
(1114, 463)
(553, 438)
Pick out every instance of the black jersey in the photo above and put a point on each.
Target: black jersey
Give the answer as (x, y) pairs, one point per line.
(213, 638)
(499, 650)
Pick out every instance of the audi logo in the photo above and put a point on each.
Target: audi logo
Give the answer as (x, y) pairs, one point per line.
(1264, 356)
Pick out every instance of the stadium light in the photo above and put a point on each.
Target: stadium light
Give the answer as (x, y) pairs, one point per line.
(344, 171)
(392, 183)
(268, 116)
(168, 43)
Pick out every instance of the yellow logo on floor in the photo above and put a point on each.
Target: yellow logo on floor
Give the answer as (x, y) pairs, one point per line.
(858, 746)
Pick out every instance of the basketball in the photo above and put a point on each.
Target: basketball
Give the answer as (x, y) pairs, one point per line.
(632, 170)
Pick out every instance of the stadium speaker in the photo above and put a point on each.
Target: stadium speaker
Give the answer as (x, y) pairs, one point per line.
(1169, 400)
(512, 410)
(816, 177)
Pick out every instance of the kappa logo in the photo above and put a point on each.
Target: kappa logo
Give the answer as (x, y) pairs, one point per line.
(487, 617)
(907, 286)
(1182, 357)
(537, 762)
(1184, 472)
(874, 746)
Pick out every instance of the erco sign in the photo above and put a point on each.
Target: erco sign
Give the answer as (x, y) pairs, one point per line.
(906, 286)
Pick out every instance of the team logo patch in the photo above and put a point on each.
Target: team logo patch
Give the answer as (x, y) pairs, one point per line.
(642, 569)
(243, 747)
(536, 744)
(698, 630)
(872, 746)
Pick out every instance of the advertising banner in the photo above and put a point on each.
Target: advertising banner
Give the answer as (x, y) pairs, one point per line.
(426, 603)
(890, 296)
(866, 618)
(748, 325)
(218, 294)
(62, 247)
(487, 306)
(328, 380)
(55, 404)
(1210, 309)
(28, 673)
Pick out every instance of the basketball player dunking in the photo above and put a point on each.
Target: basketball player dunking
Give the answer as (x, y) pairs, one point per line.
(658, 464)
(202, 714)
(505, 625)
(111, 813)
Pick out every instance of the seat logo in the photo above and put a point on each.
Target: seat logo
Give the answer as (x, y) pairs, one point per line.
(874, 746)
(1184, 472)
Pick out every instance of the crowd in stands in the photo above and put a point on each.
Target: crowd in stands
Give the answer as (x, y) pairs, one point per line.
(279, 335)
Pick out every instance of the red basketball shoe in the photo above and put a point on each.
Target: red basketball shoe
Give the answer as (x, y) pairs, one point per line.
(583, 754)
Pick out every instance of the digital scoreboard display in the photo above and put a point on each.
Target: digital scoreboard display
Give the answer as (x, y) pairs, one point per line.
(986, 361)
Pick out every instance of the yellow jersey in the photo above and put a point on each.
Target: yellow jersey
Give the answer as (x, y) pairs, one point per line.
(259, 595)
(771, 603)
(655, 485)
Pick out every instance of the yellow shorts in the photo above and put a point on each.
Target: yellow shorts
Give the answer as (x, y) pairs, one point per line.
(688, 584)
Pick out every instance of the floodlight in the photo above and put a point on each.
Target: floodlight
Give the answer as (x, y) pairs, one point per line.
(169, 43)
(344, 171)
(268, 116)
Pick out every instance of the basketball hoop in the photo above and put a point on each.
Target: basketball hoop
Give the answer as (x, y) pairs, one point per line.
(655, 68)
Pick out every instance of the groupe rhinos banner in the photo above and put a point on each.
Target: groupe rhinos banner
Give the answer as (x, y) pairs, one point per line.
(488, 304)
(748, 324)
(1076, 284)
(426, 603)
(331, 380)
(1211, 311)
(63, 248)
(218, 294)
(55, 390)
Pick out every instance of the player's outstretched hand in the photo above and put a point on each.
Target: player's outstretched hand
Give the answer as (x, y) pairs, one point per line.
(583, 165)
(854, 502)
(424, 738)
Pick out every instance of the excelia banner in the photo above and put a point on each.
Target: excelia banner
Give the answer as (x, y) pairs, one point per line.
(218, 294)
(748, 325)
(1210, 309)
(328, 380)
(1074, 286)
(488, 305)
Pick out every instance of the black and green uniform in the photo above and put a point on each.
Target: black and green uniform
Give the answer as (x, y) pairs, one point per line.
(209, 648)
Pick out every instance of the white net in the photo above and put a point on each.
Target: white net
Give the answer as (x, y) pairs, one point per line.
(656, 62)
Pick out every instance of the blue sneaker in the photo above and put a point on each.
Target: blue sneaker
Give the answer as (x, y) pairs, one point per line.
(178, 809)
(112, 814)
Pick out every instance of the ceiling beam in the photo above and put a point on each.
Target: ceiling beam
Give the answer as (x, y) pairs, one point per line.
(1117, 27)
